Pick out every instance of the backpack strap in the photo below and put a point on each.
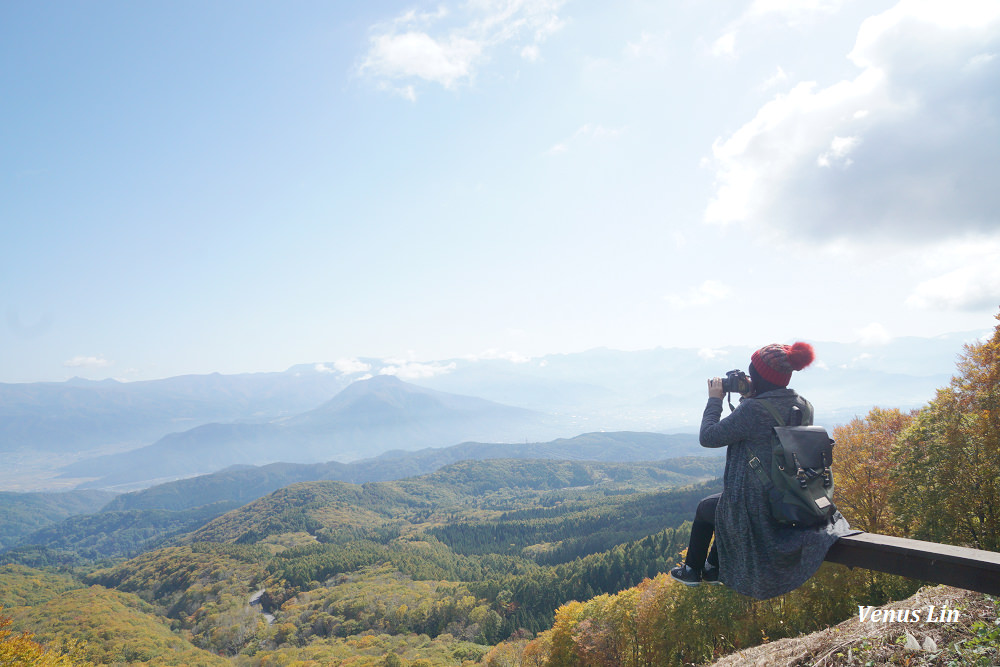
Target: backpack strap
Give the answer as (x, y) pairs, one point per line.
(807, 418)
(755, 463)
(774, 411)
(806, 407)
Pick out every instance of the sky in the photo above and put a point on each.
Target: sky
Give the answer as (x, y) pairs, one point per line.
(213, 186)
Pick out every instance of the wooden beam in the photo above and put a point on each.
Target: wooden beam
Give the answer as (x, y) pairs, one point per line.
(972, 569)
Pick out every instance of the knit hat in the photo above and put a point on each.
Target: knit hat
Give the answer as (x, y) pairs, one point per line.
(776, 362)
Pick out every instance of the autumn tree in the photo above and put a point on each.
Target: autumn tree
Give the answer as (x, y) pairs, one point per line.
(21, 649)
(948, 486)
(537, 651)
(506, 654)
(864, 464)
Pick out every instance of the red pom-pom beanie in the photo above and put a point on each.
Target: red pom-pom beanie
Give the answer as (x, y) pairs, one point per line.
(776, 362)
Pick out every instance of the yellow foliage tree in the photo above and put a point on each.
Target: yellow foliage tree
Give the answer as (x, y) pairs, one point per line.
(864, 466)
(506, 654)
(537, 651)
(949, 460)
(18, 650)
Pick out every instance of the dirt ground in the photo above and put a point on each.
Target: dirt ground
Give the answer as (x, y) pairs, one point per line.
(972, 639)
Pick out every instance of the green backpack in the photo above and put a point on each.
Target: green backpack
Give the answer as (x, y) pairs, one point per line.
(800, 484)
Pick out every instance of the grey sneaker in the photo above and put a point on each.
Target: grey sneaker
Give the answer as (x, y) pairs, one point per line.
(686, 574)
(710, 575)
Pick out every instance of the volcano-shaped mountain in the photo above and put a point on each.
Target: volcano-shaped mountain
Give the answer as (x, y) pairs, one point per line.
(365, 419)
(390, 409)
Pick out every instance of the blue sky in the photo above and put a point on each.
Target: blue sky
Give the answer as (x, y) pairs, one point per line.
(191, 187)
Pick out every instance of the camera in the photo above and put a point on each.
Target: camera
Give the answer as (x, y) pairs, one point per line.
(736, 381)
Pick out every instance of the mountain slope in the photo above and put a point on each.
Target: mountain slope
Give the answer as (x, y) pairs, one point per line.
(24, 513)
(117, 534)
(397, 414)
(332, 506)
(245, 483)
(118, 628)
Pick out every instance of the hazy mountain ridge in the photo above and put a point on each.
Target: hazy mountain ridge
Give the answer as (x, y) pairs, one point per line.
(217, 421)
(369, 417)
(555, 382)
(78, 413)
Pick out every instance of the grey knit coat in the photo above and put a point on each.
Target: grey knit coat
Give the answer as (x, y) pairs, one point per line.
(757, 556)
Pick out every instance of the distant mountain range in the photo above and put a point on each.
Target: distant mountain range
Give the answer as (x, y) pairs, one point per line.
(121, 433)
(80, 414)
(367, 418)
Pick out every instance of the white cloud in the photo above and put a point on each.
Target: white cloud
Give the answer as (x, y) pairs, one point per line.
(980, 60)
(586, 133)
(724, 46)
(81, 361)
(710, 291)
(962, 274)
(874, 334)
(506, 355)
(778, 78)
(416, 54)
(917, 126)
(708, 353)
(429, 47)
(839, 152)
(409, 92)
(790, 12)
(648, 46)
(412, 370)
(795, 11)
(970, 287)
(348, 366)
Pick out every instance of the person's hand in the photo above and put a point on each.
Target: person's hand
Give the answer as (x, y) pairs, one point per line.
(715, 388)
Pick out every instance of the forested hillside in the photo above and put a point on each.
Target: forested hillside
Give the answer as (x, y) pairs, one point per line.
(438, 567)
(23, 513)
(148, 519)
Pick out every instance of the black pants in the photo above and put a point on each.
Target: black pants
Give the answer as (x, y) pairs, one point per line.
(702, 530)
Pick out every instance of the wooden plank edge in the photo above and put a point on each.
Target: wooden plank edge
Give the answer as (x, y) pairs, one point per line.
(962, 567)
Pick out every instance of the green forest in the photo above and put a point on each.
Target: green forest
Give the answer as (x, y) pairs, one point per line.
(500, 563)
